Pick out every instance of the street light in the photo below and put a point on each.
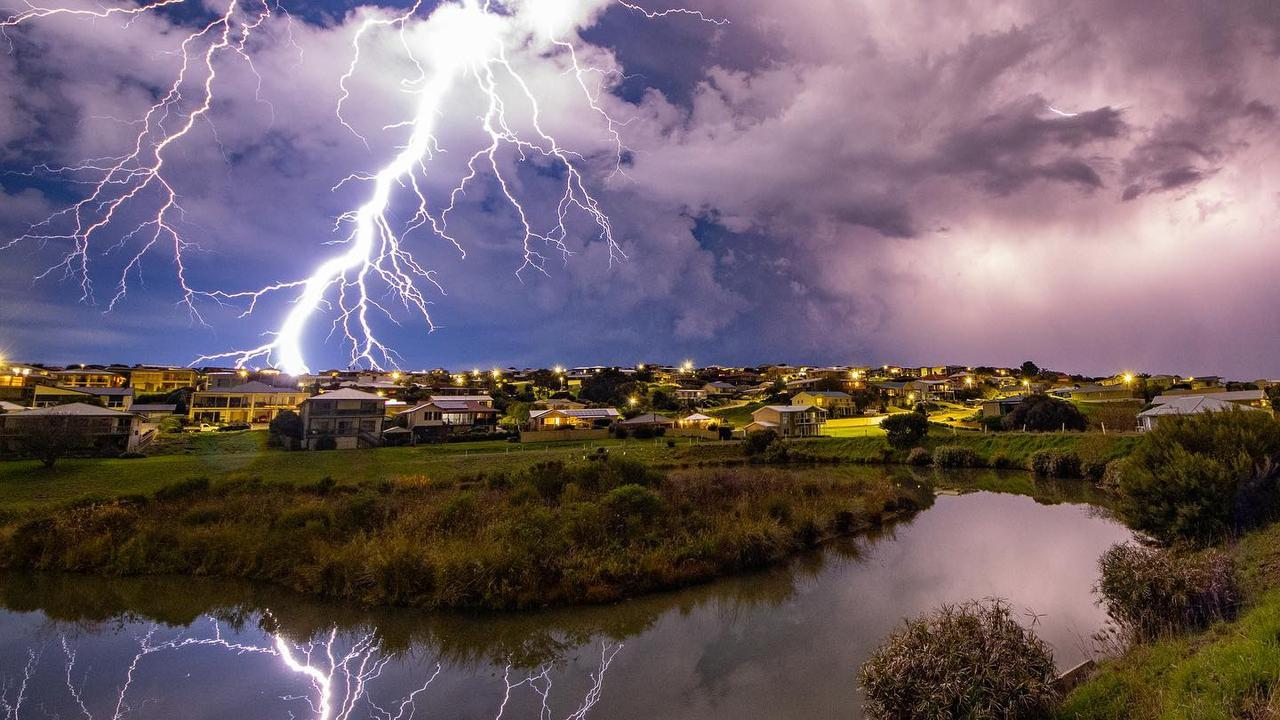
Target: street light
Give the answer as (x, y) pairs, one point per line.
(633, 401)
(1128, 378)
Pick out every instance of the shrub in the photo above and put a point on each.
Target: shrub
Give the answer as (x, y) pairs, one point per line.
(758, 441)
(287, 424)
(1001, 460)
(777, 452)
(955, 456)
(1055, 463)
(1041, 413)
(905, 429)
(1200, 478)
(964, 661)
(1149, 593)
(326, 442)
(919, 456)
(631, 509)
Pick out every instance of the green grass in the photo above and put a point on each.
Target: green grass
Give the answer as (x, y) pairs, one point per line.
(738, 416)
(240, 456)
(556, 533)
(25, 485)
(1230, 671)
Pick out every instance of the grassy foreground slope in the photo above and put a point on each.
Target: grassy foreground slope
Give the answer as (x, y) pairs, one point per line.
(1229, 672)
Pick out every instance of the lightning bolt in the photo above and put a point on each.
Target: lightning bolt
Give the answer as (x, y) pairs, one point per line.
(341, 673)
(375, 276)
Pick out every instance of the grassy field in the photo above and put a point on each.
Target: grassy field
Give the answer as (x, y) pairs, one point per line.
(1231, 671)
(242, 456)
(25, 485)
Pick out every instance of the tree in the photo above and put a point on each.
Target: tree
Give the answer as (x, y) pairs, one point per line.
(1041, 413)
(905, 429)
(758, 441)
(1030, 369)
(1202, 478)
(50, 438)
(286, 424)
(517, 415)
(609, 387)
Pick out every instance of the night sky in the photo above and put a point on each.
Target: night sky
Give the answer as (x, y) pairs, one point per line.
(1085, 183)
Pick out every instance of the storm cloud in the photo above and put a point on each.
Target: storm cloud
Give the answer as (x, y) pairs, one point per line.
(1089, 184)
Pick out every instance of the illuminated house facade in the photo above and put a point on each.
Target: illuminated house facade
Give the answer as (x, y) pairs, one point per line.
(586, 418)
(85, 429)
(252, 402)
(156, 380)
(789, 421)
(345, 419)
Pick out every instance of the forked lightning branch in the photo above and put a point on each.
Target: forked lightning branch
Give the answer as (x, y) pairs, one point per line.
(372, 276)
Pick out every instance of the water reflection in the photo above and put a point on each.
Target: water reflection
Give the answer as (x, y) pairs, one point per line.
(783, 643)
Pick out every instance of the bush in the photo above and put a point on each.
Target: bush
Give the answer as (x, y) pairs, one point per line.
(758, 441)
(964, 661)
(1149, 593)
(1055, 463)
(287, 424)
(955, 456)
(919, 456)
(326, 442)
(905, 429)
(631, 509)
(1041, 413)
(1202, 478)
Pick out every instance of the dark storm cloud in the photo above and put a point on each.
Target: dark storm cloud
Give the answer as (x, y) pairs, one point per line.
(821, 145)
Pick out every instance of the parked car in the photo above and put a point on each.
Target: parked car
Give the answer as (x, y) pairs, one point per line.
(202, 427)
(230, 427)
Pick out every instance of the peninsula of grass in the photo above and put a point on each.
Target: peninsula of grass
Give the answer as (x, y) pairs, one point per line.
(550, 533)
(1229, 671)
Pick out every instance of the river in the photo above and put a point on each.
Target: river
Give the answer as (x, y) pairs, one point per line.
(783, 643)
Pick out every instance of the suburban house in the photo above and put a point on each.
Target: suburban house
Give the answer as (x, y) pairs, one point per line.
(1096, 393)
(788, 420)
(930, 391)
(1188, 405)
(891, 390)
(251, 402)
(153, 412)
(444, 415)
(836, 403)
(151, 380)
(720, 388)
(1244, 398)
(585, 418)
(691, 394)
(350, 418)
(114, 398)
(82, 427)
(653, 421)
(697, 421)
(999, 407)
(87, 378)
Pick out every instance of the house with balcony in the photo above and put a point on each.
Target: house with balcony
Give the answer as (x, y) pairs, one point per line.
(789, 421)
(251, 402)
(444, 415)
(344, 419)
(837, 404)
(84, 429)
(580, 419)
(87, 378)
(156, 380)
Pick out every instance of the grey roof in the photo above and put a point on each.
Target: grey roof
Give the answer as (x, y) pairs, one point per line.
(146, 408)
(834, 394)
(1193, 404)
(1233, 396)
(580, 413)
(75, 409)
(7, 406)
(789, 408)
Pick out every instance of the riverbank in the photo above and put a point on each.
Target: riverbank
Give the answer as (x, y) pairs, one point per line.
(25, 486)
(548, 534)
(1230, 671)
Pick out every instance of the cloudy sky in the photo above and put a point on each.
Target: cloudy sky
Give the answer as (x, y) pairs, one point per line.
(1089, 184)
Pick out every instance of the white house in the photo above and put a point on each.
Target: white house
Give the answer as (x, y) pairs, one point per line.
(788, 420)
(1187, 405)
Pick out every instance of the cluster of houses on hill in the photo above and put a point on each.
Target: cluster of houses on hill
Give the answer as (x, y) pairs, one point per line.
(121, 407)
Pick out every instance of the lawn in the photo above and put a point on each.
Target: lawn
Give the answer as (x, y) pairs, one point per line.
(244, 455)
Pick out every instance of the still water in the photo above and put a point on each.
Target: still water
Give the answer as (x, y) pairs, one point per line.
(785, 643)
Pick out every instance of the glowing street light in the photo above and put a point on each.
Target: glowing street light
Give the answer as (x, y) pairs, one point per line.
(559, 369)
(633, 401)
(687, 366)
(1128, 378)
